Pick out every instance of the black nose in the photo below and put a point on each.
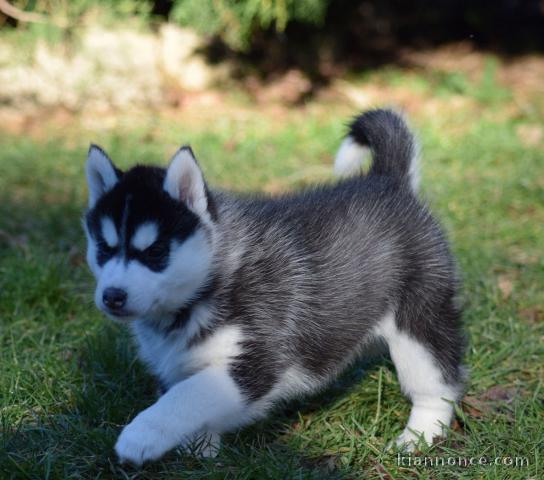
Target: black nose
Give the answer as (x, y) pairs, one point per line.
(114, 298)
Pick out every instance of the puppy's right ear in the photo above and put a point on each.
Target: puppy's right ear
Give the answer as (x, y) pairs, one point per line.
(101, 174)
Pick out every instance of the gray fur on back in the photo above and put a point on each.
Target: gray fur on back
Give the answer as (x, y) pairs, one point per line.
(308, 275)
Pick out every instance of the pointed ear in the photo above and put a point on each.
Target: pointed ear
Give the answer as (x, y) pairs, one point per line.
(101, 173)
(184, 181)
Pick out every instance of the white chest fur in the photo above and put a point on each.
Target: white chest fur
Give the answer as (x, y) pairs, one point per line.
(169, 356)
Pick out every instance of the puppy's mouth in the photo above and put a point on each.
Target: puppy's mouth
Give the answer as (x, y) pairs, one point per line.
(119, 314)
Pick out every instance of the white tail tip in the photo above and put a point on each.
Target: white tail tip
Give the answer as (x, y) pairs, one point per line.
(350, 158)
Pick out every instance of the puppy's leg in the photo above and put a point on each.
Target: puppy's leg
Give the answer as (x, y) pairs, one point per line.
(422, 380)
(208, 401)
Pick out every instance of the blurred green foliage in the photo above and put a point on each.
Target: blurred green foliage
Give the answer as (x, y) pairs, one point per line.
(235, 20)
(349, 23)
(74, 10)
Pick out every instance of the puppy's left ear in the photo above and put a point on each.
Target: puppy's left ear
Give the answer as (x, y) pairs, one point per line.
(184, 181)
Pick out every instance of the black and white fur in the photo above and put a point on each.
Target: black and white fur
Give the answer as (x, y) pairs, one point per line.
(239, 302)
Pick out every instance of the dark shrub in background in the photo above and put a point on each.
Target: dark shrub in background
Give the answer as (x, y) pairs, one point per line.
(508, 24)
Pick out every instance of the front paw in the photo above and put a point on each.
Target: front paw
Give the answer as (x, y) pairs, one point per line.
(410, 440)
(142, 440)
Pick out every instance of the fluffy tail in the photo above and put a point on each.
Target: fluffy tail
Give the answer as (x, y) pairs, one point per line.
(385, 134)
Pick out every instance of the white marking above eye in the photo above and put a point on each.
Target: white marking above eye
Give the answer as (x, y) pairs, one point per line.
(146, 234)
(109, 232)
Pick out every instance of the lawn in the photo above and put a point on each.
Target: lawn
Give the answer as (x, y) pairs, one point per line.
(69, 379)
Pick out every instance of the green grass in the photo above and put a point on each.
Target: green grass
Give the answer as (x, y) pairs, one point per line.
(69, 379)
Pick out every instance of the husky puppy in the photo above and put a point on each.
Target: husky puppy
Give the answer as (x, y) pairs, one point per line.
(239, 302)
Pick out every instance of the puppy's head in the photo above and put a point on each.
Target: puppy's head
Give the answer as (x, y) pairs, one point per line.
(150, 235)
